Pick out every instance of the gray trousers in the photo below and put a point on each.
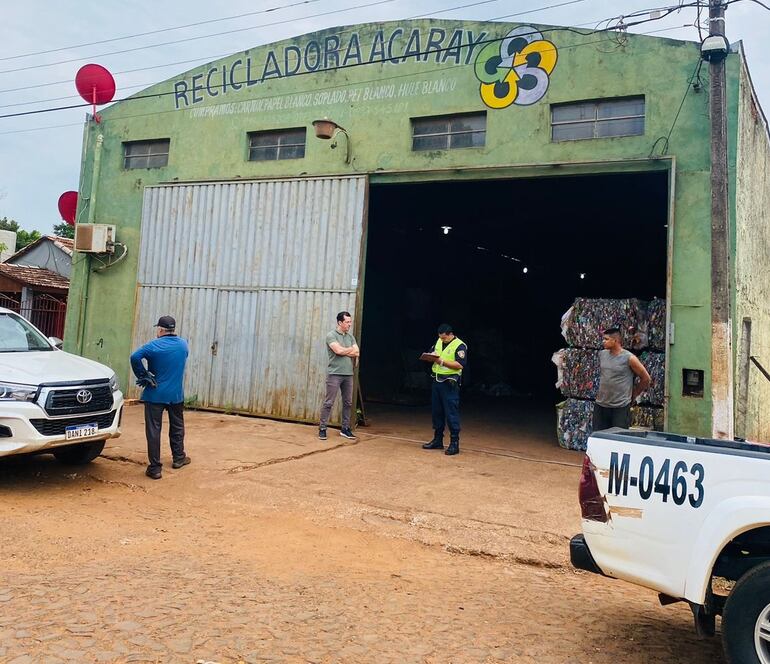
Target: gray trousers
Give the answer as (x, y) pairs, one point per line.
(335, 383)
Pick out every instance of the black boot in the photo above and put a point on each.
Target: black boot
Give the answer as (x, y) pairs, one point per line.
(437, 443)
(454, 447)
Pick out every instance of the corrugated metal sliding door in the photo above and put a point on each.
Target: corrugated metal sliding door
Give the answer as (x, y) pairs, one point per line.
(254, 273)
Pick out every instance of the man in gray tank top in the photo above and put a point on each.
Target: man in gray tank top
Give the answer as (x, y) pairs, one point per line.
(618, 387)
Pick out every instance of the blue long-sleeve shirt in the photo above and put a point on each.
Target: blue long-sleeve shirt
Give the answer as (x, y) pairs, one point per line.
(166, 357)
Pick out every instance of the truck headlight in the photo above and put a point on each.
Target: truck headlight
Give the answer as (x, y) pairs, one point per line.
(16, 392)
(114, 385)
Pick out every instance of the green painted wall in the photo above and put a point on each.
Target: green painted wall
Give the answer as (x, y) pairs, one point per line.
(374, 103)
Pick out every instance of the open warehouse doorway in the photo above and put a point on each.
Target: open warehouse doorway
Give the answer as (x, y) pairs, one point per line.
(501, 260)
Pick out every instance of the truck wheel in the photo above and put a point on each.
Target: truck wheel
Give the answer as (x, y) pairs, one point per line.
(746, 618)
(79, 454)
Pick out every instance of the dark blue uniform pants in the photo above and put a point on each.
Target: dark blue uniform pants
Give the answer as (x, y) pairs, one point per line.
(445, 406)
(153, 423)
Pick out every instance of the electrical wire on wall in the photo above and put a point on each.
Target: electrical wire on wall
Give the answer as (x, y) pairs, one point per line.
(109, 263)
(693, 82)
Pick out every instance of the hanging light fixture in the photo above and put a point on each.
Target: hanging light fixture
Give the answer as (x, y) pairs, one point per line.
(327, 129)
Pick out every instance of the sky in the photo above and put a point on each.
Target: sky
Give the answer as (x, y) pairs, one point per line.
(41, 153)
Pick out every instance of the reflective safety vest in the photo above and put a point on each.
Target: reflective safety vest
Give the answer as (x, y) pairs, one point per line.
(445, 354)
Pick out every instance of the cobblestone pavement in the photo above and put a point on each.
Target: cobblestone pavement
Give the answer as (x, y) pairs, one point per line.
(270, 548)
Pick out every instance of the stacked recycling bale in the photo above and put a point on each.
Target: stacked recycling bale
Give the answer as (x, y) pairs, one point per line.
(655, 363)
(656, 324)
(573, 423)
(585, 321)
(580, 373)
(642, 326)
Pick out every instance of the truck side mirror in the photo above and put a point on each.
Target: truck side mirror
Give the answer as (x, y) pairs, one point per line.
(56, 342)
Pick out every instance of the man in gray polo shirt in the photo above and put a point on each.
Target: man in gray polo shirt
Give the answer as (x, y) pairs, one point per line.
(343, 356)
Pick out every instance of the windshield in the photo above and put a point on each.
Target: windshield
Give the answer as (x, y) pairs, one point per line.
(18, 336)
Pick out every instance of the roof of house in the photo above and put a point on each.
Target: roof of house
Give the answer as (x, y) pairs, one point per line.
(64, 243)
(67, 244)
(34, 276)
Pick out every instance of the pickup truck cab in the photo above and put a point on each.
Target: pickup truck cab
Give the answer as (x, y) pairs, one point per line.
(689, 518)
(52, 401)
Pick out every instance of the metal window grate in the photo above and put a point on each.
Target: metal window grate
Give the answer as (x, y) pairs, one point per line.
(602, 118)
(278, 144)
(146, 154)
(57, 427)
(64, 402)
(449, 132)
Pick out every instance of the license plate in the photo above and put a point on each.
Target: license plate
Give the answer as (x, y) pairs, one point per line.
(81, 431)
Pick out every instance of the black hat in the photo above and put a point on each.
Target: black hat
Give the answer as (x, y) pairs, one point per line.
(167, 323)
(445, 328)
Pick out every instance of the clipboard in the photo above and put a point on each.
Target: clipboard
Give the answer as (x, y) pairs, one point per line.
(429, 357)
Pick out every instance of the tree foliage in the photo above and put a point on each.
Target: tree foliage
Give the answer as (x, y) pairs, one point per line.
(64, 230)
(23, 238)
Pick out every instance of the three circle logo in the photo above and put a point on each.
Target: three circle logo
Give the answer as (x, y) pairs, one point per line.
(516, 70)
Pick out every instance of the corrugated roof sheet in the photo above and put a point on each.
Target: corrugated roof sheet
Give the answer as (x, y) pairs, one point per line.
(34, 276)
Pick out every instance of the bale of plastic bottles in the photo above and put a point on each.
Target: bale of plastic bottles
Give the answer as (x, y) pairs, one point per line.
(584, 322)
(574, 422)
(655, 363)
(578, 370)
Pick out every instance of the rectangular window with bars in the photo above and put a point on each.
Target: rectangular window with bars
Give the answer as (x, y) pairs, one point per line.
(602, 118)
(146, 154)
(449, 132)
(277, 144)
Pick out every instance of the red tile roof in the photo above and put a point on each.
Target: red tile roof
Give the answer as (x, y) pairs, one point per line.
(34, 276)
(66, 244)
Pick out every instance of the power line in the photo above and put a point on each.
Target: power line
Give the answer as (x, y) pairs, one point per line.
(302, 73)
(222, 55)
(209, 58)
(212, 57)
(325, 88)
(155, 32)
(761, 4)
(208, 36)
(670, 10)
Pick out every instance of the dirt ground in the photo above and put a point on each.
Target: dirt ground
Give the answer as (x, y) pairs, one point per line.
(272, 546)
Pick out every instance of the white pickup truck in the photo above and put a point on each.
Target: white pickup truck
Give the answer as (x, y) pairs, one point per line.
(52, 401)
(689, 518)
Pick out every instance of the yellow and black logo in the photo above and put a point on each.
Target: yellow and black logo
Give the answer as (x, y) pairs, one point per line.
(516, 70)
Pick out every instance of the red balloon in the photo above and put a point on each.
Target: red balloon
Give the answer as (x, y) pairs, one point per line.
(96, 79)
(68, 205)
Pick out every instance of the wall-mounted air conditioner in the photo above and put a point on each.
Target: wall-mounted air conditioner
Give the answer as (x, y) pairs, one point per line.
(95, 238)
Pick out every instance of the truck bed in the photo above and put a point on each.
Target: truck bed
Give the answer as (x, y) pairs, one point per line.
(679, 441)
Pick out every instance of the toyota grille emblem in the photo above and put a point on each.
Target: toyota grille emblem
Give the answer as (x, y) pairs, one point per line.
(84, 396)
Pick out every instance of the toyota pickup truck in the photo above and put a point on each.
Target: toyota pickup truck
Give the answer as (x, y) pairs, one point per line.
(52, 401)
(689, 518)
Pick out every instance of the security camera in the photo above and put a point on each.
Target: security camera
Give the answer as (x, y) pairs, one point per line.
(714, 48)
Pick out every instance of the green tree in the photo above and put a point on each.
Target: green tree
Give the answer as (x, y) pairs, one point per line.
(64, 230)
(7, 224)
(23, 238)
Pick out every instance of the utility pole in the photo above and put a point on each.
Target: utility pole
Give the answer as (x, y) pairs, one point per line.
(721, 321)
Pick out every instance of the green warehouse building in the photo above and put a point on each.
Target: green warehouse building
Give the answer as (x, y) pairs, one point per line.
(482, 174)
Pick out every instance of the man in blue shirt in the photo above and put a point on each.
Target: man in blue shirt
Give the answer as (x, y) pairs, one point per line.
(162, 377)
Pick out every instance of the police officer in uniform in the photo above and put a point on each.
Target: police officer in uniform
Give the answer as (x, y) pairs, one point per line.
(447, 369)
